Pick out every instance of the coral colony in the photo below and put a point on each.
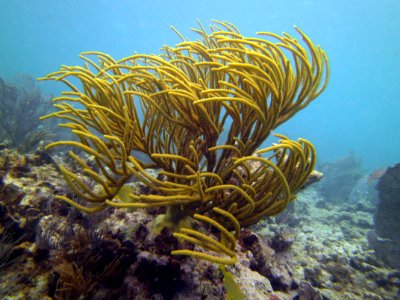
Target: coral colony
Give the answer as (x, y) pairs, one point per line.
(199, 111)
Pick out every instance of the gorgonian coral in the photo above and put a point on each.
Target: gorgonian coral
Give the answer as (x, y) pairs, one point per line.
(200, 111)
(20, 108)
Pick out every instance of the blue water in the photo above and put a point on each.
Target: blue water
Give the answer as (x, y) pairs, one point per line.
(359, 112)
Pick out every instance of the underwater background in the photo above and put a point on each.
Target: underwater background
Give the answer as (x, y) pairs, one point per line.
(357, 113)
(340, 239)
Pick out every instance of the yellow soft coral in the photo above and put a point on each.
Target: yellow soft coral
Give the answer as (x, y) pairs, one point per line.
(200, 111)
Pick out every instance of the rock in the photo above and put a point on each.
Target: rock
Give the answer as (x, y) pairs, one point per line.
(307, 292)
(283, 240)
(271, 264)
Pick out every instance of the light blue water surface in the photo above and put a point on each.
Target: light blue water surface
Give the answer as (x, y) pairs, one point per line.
(359, 111)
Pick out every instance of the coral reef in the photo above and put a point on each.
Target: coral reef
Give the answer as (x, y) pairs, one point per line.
(56, 252)
(174, 108)
(64, 254)
(182, 167)
(20, 109)
(385, 238)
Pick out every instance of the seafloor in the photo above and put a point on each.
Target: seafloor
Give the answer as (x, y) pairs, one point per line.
(315, 250)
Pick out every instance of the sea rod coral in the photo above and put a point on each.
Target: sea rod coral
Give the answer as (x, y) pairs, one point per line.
(199, 111)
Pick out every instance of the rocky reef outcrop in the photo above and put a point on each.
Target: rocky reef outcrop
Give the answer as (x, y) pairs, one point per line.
(385, 238)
